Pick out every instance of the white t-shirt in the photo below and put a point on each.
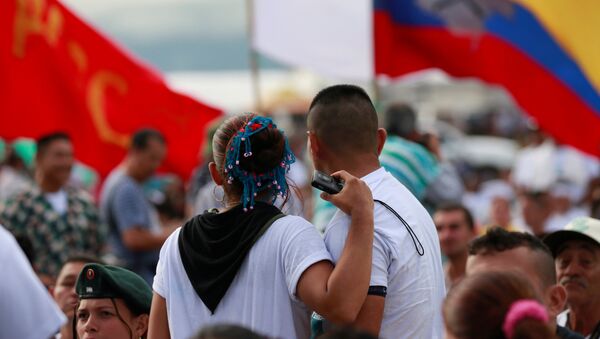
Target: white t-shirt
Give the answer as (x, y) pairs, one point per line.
(26, 308)
(415, 284)
(58, 201)
(261, 296)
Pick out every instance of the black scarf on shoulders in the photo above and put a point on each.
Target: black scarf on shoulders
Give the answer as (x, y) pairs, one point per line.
(213, 247)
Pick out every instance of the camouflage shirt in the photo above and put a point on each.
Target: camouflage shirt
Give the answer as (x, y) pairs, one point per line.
(54, 237)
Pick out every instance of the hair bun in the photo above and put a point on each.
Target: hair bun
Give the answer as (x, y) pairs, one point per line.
(268, 147)
(257, 156)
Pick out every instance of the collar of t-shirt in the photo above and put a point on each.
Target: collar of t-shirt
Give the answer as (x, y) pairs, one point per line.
(373, 177)
(58, 201)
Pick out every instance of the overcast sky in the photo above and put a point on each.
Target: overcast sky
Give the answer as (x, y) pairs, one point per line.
(175, 34)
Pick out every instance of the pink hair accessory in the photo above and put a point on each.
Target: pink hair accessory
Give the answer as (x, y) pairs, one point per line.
(520, 310)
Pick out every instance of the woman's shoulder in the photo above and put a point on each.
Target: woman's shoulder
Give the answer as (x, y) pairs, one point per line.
(292, 226)
(294, 220)
(170, 245)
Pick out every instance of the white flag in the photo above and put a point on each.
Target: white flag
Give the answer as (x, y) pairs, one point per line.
(330, 37)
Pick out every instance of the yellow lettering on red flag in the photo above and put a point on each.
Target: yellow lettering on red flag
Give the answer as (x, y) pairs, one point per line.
(78, 55)
(29, 20)
(99, 83)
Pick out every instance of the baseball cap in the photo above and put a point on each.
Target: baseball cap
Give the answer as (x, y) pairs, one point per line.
(583, 228)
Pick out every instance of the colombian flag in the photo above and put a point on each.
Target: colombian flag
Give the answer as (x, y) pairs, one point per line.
(545, 52)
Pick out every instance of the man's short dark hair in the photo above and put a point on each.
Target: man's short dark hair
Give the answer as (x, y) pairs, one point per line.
(142, 137)
(44, 141)
(84, 258)
(401, 120)
(499, 240)
(344, 118)
(452, 206)
(81, 258)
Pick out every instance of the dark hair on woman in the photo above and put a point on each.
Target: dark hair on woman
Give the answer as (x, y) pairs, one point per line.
(268, 148)
(476, 308)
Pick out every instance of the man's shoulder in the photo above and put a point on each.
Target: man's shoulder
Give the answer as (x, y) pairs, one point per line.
(126, 185)
(388, 183)
(23, 198)
(340, 221)
(80, 195)
(27, 194)
(390, 193)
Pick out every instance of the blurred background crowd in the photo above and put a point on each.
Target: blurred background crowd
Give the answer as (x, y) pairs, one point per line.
(499, 124)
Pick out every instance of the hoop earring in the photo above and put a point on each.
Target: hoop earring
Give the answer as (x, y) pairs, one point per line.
(214, 194)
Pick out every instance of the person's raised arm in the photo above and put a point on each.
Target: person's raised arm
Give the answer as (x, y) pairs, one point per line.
(339, 293)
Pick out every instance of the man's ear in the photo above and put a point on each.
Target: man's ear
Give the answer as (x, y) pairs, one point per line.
(556, 299)
(314, 146)
(313, 143)
(140, 325)
(381, 136)
(214, 173)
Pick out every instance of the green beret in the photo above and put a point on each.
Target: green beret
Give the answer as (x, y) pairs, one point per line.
(98, 281)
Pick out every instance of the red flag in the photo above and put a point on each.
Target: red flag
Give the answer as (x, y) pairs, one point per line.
(58, 73)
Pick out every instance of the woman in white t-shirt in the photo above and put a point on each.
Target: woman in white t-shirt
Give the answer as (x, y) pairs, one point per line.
(250, 265)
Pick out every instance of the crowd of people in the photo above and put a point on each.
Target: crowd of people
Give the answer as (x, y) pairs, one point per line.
(413, 246)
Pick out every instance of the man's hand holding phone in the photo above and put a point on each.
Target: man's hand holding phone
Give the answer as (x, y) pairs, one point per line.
(354, 196)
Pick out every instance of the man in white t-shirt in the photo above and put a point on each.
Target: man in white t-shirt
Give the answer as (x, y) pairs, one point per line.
(27, 309)
(407, 280)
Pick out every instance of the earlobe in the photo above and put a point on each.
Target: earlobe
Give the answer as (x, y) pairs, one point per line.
(141, 325)
(557, 300)
(214, 173)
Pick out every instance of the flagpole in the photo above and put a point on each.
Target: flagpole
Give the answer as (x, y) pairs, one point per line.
(374, 83)
(253, 57)
(376, 90)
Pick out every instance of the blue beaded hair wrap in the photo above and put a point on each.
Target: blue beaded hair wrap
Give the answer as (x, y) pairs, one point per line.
(254, 183)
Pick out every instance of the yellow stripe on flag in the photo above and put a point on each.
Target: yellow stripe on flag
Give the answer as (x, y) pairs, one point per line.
(575, 24)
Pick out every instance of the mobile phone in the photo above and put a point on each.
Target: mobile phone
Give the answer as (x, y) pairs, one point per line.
(326, 183)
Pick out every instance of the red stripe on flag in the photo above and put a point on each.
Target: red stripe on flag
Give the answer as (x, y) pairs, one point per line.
(557, 109)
